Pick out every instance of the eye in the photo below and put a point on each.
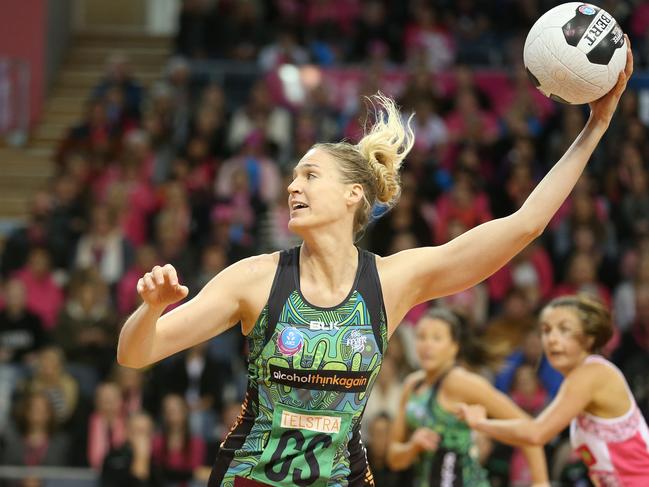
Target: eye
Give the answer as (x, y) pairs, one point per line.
(310, 175)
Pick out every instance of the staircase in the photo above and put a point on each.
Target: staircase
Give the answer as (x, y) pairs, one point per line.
(24, 171)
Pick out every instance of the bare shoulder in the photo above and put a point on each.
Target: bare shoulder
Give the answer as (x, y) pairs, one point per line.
(593, 375)
(250, 280)
(462, 384)
(591, 372)
(257, 266)
(412, 379)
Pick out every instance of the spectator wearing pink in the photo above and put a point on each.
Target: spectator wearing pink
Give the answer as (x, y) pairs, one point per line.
(427, 41)
(127, 187)
(146, 257)
(530, 271)
(464, 203)
(103, 246)
(106, 425)
(469, 123)
(44, 295)
(175, 451)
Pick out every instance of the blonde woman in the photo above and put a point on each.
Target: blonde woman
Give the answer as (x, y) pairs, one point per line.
(318, 317)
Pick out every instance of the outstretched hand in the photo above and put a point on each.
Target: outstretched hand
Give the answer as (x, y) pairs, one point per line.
(604, 108)
(160, 288)
(472, 414)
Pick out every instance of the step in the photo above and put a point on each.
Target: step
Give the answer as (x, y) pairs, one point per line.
(66, 118)
(15, 207)
(96, 57)
(28, 181)
(87, 80)
(119, 39)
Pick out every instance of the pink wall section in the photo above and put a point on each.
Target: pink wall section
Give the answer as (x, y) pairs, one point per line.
(22, 35)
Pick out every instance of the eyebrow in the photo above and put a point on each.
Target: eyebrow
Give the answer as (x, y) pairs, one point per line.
(306, 165)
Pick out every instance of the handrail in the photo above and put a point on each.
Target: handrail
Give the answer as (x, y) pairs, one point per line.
(54, 473)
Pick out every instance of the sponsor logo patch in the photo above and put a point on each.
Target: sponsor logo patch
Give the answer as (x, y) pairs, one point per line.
(586, 10)
(321, 380)
(356, 340)
(311, 422)
(290, 341)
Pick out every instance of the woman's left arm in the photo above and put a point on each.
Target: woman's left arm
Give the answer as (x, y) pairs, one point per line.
(421, 274)
(476, 390)
(573, 397)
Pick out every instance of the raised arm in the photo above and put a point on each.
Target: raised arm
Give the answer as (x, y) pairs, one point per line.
(236, 294)
(422, 274)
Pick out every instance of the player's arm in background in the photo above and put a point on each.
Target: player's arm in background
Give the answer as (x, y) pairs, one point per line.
(463, 386)
(576, 392)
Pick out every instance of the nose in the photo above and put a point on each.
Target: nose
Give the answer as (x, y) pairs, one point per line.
(294, 187)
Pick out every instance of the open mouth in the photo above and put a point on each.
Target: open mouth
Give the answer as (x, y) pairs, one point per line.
(298, 206)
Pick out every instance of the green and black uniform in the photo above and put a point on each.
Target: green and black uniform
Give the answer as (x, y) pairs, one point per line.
(311, 370)
(454, 463)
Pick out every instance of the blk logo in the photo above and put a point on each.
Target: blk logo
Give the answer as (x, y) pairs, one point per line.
(321, 325)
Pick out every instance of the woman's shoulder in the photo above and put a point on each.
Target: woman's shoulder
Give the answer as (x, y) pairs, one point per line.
(413, 380)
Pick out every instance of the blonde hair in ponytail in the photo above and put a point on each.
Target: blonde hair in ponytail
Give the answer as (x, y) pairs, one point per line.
(375, 161)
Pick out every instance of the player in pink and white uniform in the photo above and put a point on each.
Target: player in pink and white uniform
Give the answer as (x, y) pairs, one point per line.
(606, 426)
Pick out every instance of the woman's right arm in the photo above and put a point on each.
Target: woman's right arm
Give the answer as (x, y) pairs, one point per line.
(403, 451)
(236, 294)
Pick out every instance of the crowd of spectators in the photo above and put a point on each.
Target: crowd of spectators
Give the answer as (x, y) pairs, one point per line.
(186, 173)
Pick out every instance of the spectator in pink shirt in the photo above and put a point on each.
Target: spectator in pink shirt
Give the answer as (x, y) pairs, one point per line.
(44, 295)
(106, 425)
(176, 451)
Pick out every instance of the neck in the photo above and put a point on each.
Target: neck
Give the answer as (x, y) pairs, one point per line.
(329, 261)
(433, 375)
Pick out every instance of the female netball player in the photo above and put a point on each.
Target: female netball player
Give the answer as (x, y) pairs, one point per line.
(426, 433)
(318, 317)
(606, 426)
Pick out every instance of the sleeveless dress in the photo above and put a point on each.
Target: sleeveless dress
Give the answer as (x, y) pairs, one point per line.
(454, 463)
(615, 450)
(310, 372)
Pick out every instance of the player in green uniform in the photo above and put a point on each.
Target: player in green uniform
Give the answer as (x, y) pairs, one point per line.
(426, 432)
(316, 345)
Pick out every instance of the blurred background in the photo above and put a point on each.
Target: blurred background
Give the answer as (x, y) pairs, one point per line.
(142, 132)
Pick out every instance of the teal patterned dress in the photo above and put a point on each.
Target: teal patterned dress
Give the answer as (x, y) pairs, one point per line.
(310, 372)
(456, 458)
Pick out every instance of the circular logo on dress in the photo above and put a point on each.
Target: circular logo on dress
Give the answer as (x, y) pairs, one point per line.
(290, 341)
(586, 10)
